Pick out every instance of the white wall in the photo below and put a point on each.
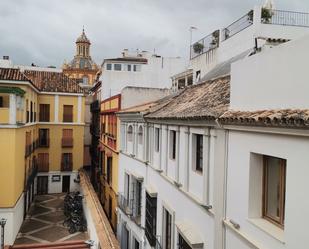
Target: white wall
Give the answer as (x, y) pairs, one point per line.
(273, 79)
(295, 151)
(156, 73)
(15, 217)
(184, 197)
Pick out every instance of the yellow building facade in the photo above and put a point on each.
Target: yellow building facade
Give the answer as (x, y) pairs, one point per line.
(109, 147)
(41, 139)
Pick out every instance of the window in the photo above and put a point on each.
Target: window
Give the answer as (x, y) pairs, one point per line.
(4, 101)
(182, 243)
(67, 162)
(140, 135)
(151, 219)
(109, 66)
(136, 68)
(68, 113)
(27, 111)
(190, 80)
(130, 133)
(31, 111)
(167, 229)
(85, 80)
(129, 67)
(109, 169)
(117, 67)
(44, 137)
(157, 139)
(137, 199)
(172, 146)
(67, 138)
(136, 244)
(43, 162)
(44, 112)
(274, 174)
(198, 139)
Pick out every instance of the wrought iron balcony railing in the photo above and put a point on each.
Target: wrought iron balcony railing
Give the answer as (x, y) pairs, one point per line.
(287, 18)
(204, 45)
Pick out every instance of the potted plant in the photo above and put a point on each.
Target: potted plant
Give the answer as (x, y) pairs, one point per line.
(215, 38)
(198, 47)
(266, 15)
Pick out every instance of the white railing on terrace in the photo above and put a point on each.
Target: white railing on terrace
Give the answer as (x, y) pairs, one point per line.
(204, 45)
(288, 18)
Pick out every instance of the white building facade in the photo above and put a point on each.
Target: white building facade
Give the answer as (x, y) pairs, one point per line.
(139, 69)
(196, 171)
(266, 202)
(171, 175)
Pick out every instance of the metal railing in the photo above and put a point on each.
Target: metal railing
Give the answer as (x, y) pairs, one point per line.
(204, 45)
(287, 18)
(124, 204)
(237, 26)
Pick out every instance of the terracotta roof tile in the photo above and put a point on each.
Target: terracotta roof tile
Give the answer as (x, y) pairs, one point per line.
(206, 100)
(275, 117)
(53, 82)
(12, 74)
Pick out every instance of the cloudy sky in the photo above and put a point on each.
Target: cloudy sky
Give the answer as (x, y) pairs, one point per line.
(44, 31)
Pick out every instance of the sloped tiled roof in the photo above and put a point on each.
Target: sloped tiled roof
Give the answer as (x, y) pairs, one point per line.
(275, 118)
(53, 82)
(207, 100)
(12, 74)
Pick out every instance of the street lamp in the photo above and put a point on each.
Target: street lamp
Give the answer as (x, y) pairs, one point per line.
(2, 224)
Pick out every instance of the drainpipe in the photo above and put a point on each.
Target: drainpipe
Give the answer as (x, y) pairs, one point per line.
(2, 224)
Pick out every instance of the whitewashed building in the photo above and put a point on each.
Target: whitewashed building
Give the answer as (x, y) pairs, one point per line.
(171, 170)
(257, 29)
(267, 176)
(223, 164)
(140, 69)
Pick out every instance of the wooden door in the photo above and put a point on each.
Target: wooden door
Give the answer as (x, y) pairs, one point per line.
(42, 185)
(65, 184)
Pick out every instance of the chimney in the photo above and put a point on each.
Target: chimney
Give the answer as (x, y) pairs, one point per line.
(6, 57)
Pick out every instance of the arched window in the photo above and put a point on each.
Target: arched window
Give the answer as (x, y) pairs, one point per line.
(130, 133)
(140, 135)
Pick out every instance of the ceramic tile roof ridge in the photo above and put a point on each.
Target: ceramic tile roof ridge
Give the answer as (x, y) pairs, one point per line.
(298, 118)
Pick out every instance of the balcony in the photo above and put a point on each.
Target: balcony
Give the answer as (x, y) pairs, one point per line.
(286, 18)
(67, 166)
(43, 166)
(95, 106)
(205, 45)
(67, 142)
(43, 142)
(237, 26)
(124, 204)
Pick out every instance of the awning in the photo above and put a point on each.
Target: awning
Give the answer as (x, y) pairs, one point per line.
(190, 234)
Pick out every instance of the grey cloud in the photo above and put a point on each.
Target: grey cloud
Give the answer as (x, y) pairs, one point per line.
(44, 31)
